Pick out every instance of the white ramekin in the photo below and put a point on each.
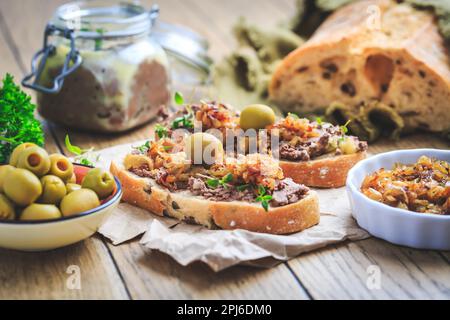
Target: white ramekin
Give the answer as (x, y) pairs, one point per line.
(399, 226)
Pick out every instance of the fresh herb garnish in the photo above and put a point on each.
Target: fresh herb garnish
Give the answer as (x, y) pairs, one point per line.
(242, 187)
(293, 115)
(344, 130)
(183, 122)
(214, 182)
(167, 148)
(143, 148)
(17, 122)
(178, 97)
(319, 120)
(161, 131)
(83, 156)
(263, 197)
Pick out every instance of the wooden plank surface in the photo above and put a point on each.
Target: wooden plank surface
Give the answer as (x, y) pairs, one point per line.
(43, 275)
(127, 271)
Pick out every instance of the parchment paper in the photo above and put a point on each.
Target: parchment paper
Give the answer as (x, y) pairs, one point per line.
(221, 249)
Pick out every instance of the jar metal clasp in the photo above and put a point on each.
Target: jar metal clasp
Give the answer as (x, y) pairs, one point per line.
(72, 61)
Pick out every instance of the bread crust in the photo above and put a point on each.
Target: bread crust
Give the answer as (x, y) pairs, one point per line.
(417, 83)
(328, 172)
(146, 194)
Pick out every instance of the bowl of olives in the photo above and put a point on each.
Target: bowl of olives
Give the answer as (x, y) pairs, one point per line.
(47, 202)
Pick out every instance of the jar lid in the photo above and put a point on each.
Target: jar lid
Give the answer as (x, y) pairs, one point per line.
(183, 43)
(102, 19)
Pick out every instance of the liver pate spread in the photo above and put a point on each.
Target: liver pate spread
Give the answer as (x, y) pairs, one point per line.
(107, 93)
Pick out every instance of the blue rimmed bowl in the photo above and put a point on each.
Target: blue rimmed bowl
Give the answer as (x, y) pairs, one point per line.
(399, 226)
(51, 234)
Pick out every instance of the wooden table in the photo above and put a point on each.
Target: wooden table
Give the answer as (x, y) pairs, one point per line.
(127, 272)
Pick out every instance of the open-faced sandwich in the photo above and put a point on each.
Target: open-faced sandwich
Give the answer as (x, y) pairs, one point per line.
(314, 153)
(244, 192)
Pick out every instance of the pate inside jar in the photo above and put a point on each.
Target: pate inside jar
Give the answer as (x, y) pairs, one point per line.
(123, 78)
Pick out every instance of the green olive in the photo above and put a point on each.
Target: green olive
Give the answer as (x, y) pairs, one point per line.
(34, 159)
(61, 167)
(203, 148)
(71, 187)
(100, 181)
(37, 211)
(256, 116)
(4, 170)
(6, 208)
(53, 190)
(17, 150)
(79, 201)
(72, 179)
(22, 187)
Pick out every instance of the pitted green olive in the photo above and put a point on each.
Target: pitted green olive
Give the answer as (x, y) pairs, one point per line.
(78, 202)
(256, 116)
(34, 159)
(37, 211)
(61, 167)
(203, 148)
(17, 150)
(6, 208)
(22, 187)
(72, 179)
(348, 145)
(71, 187)
(53, 190)
(100, 181)
(4, 170)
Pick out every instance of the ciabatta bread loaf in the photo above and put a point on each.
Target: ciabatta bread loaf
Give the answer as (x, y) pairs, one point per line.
(371, 50)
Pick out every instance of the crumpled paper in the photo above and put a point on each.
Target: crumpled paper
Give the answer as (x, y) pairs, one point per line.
(221, 249)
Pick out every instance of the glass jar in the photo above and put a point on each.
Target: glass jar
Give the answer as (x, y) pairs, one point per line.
(99, 69)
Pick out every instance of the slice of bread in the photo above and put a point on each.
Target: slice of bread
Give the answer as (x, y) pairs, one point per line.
(328, 171)
(147, 194)
(371, 50)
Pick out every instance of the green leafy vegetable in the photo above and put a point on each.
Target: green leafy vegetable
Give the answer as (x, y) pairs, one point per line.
(319, 120)
(17, 122)
(242, 187)
(344, 128)
(143, 148)
(71, 148)
(344, 131)
(183, 122)
(179, 100)
(214, 183)
(83, 156)
(263, 197)
(161, 131)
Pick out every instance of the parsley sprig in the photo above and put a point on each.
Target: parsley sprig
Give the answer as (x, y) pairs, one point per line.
(143, 148)
(161, 131)
(263, 197)
(344, 130)
(184, 121)
(319, 120)
(178, 97)
(17, 122)
(214, 182)
(82, 156)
